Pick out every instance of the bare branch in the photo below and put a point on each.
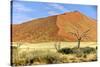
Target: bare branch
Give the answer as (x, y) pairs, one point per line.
(85, 33)
(85, 37)
(74, 34)
(76, 29)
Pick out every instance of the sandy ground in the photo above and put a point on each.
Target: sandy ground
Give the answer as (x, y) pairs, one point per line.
(50, 45)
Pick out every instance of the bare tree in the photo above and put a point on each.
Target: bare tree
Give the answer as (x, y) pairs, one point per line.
(79, 35)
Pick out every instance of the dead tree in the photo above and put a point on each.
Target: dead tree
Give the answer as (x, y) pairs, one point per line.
(80, 35)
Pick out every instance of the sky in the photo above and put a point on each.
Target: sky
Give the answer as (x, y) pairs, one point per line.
(23, 11)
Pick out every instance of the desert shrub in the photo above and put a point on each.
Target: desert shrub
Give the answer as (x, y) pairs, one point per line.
(88, 50)
(52, 59)
(66, 51)
(76, 51)
(35, 57)
(45, 57)
(79, 51)
(48, 57)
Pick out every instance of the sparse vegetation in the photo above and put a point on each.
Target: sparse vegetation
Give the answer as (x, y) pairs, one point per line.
(86, 50)
(35, 57)
(74, 50)
(32, 56)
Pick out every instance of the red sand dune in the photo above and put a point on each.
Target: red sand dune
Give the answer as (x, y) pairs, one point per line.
(54, 28)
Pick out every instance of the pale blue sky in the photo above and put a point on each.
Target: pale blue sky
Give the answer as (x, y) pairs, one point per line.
(25, 11)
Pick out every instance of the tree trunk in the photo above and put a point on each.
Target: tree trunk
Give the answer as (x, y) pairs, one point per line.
(79, 43)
